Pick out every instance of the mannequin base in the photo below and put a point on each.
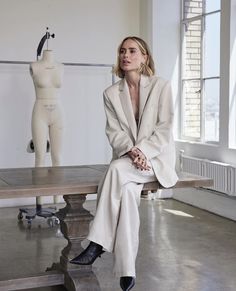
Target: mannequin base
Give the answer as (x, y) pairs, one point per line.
(31, 213)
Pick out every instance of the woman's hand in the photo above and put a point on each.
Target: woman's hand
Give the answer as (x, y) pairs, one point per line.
(139, 159)
(141, 163)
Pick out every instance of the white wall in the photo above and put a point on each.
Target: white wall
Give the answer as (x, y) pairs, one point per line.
(160, 26)
(167, 46)
(86, 31)
(232, 82)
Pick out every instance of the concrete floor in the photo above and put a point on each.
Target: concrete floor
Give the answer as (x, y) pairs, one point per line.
(182, 248)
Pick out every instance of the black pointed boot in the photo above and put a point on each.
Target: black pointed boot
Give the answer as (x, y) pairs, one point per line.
(89, 255)
(127, 283)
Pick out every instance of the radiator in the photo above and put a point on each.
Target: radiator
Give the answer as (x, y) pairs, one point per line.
(224, 175)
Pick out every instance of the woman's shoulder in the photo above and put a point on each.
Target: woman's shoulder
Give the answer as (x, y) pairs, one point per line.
(113, 88)
(159, 83)
(158, 80)
(153, 80)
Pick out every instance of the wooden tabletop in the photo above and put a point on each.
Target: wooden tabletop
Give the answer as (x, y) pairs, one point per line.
(84, 179)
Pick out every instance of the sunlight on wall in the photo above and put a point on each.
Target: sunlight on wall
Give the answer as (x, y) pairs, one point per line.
(232, 85)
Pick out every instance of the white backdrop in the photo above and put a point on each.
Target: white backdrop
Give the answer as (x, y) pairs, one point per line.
(86, 31)
(81, 96)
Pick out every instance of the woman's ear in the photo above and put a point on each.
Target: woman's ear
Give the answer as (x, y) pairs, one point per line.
(145, 57)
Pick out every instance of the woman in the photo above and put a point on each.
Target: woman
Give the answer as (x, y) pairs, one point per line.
(139, 115)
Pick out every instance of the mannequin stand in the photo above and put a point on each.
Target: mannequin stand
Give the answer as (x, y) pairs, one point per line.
(31, 213)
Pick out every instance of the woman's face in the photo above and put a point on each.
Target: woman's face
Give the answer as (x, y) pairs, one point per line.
(130, 56)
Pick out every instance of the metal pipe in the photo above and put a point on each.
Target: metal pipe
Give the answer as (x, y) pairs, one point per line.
(66, 64)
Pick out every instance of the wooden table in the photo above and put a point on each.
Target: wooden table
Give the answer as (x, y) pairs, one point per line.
(74, 183)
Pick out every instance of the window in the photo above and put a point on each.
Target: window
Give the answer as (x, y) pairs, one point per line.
(200, 70)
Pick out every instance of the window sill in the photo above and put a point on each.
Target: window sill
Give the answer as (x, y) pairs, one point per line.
(196, 143)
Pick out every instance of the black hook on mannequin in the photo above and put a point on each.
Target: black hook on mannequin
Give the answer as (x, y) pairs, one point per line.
(42, 41)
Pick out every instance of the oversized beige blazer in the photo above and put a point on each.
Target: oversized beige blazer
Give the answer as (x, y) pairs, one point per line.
(153, 135)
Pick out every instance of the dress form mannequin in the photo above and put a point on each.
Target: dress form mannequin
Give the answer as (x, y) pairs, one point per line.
(47, 115)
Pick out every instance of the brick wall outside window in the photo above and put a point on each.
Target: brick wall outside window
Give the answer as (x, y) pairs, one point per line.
(192, 69)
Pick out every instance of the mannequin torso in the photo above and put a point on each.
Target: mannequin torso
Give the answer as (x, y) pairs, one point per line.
(47, 76)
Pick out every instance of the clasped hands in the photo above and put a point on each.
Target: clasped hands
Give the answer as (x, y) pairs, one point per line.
(139, 159)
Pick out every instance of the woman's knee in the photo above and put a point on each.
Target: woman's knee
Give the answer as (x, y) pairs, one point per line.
(120, 164)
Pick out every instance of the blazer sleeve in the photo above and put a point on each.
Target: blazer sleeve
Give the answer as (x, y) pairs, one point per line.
(119, 140)
(162, 134)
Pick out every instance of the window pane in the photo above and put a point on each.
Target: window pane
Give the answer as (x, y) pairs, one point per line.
(212, 5)
(191, 109)
(212, 45)
(211, 110)
(192, 8)
(192, 50)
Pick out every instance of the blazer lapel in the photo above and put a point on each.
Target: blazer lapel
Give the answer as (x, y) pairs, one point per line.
(144, 93)
(127, 106)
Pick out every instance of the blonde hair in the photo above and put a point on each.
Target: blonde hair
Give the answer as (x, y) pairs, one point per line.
(147, 69)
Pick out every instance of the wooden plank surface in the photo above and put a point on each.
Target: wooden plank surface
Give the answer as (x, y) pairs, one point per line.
(50, 278)
(186, 180)
(49, 181)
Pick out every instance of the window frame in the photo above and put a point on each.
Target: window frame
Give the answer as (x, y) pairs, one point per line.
(184, 22)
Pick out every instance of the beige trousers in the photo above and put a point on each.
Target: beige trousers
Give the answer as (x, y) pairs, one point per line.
(116, 222)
